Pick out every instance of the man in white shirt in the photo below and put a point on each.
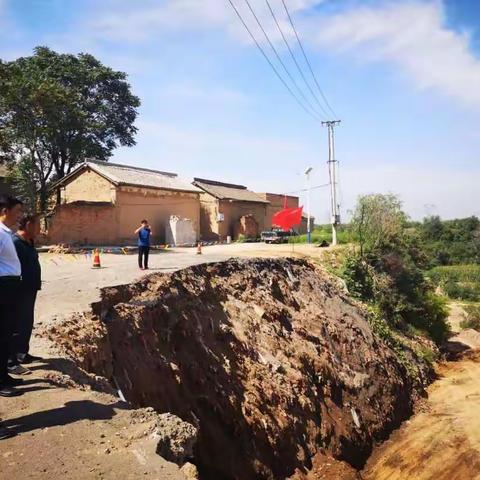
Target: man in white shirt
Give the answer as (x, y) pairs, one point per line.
(10, 277)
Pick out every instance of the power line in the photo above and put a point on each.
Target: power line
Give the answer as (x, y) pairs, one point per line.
(306, 189)
(307, 61)
(300, 70)
(262, 51)
(279, 58)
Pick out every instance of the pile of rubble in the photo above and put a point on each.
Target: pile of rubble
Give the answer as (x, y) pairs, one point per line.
(271, 364)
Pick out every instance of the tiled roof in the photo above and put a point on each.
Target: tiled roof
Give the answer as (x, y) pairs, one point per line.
(141, 177)
(228, 191)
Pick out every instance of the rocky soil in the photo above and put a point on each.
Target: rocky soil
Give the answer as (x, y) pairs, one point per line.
(273, 364)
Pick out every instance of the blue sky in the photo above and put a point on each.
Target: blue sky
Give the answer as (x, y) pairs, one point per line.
(404, 77)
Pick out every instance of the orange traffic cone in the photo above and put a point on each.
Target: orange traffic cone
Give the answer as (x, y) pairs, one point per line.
(199, 248)
(96, 259)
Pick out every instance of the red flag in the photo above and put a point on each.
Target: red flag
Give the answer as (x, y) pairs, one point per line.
(287, 218)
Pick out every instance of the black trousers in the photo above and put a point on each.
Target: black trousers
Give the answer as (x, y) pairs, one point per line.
(8, 301)
(23, 323)
(143, 256)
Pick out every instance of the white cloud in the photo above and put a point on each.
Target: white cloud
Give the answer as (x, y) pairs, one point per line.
(259, 161)
(136, 23)
(446, 191)
(411, 35)
(186, 145)
(196, 93)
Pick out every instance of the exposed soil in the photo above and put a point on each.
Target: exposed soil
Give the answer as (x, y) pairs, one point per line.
(72, 433)
(273, 363)
(442, 442)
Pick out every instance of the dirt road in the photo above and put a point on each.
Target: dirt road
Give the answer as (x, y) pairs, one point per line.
(70, 284)
(70, 434)
(442, 442)
(66, 432)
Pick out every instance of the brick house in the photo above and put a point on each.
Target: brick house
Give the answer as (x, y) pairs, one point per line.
(102, 203)
(277, 203)
(231, 210)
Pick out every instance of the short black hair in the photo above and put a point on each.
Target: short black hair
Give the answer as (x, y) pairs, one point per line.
(30, 217)
(144, 221)
(8, 202)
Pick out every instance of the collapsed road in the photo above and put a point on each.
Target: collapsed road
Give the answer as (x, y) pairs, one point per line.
(269, 359)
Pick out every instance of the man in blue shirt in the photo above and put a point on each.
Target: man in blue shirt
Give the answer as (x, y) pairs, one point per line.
(144, 232)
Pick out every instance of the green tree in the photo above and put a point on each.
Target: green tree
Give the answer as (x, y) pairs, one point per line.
(388, 271)
(23, 176)
(432, 227)
(56, 110)
(451, 242)
(377, 221)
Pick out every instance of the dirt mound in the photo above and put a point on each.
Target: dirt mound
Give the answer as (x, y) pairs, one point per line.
(273, 362)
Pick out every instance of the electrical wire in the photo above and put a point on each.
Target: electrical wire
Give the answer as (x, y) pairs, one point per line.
(300, 70)
(279, 58)
(306, 189)
(262, 51)
(306, 60)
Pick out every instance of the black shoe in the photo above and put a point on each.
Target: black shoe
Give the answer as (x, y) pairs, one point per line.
(6, 433)
(12, 382)
(8, 391)
(31, 359)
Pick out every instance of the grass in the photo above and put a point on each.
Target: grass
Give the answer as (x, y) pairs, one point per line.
(473, 317)
(456, 273)
(322, 233)
(399, 344)
(459, 282)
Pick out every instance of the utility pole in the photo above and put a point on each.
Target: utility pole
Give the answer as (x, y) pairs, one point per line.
(332, 172)
(309, 234)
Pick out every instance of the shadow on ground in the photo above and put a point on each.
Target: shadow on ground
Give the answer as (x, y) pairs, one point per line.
(65, 366)
(71, 412)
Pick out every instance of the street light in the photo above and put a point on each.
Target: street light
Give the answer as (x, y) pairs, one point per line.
(307, 174)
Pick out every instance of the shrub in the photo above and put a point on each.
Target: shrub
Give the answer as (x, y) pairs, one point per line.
(388, 274)
(324, 232)
(461, 282)
(473, 317)
(451, 241)
(399, 292)
(358, 277)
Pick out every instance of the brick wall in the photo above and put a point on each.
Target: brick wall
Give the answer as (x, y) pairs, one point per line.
(156, 206)
(82, 223)
(277, 203)
(212, 229)
(88, 186)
